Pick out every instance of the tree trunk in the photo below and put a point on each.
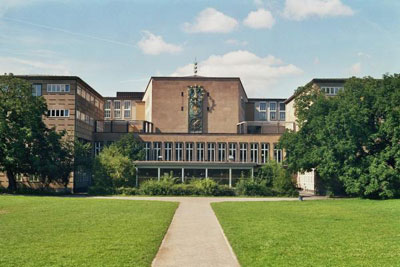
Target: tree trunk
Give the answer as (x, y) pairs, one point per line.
(12, 184)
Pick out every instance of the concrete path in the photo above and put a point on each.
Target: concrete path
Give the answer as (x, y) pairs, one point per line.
(195, 237)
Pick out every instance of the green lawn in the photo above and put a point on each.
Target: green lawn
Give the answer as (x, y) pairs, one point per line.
(313, 233)
(48, 231)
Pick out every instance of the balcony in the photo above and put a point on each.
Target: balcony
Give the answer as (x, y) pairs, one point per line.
(262, 127)
(121, 126)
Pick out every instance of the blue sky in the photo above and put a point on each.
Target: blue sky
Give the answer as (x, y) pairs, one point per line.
(274, 46)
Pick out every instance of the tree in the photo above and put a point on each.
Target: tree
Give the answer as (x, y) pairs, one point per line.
(352, 140)
(27, 146)
(114, 166)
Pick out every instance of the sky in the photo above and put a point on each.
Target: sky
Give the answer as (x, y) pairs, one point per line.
(274, 46)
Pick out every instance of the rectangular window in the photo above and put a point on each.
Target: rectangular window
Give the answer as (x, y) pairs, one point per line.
(58, 88)
(243, 152)
(79, 91)
(33, 178)
(262, 111)
(254, 152)
(58, 113)
(272, 111)
(189, 151)
(97, 148)
(37, 90)
(211, 152)
(107, 109)
(178, 151)
(200, 151)
(18, 177)
(221, 151)
(168, 151)
(157, 151)
(263, 106)
(127, 109)
(147, 149)
(264, 152)
(117, 109)
(278, 157)
(232, 151)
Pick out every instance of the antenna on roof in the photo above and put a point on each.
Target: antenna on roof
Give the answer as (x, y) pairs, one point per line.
(195, 66)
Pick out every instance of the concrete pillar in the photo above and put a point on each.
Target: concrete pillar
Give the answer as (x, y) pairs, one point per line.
(137, 177)
(230, 177)
(159, 174)
(206, 172)
(252, 172)
(183, 175)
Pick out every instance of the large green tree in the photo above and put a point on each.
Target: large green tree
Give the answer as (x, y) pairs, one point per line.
(352, 140)
(27, 146)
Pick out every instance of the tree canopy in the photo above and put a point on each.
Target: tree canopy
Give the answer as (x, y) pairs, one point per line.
(27, 146)
(352, 140)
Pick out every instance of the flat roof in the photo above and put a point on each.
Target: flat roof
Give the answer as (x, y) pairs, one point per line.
(58, 77)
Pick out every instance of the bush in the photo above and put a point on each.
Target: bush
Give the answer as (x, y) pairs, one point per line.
(158, 188)
(205, 187)
(253, 187)
(100, 190)
(127, 191)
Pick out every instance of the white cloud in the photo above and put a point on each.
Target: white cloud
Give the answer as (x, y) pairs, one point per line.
(355, 69)
(258, 2)
(258, 74)
(316, 60)
(301, 9)
(361, 54)
(6, 5)
(152, 44)
(259, 19)
(236, 42)
(211, 20)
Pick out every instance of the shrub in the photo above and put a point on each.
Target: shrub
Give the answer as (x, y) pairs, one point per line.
(184, 190)
(158, 188)
(253, 187)
(100, 190)
(205, 187)
(128, 191)
(224, 190)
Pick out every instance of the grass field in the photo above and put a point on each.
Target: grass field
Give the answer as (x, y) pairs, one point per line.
(46, 231)
(313, 233)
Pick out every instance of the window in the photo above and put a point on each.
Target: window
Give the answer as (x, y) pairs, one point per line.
(157, 150)
(211, 152)
(58, 88)
(96, 103)
(263, 106)
(264, 152)
(200, 151)
(254, 152)
(78, 114)
(147, 148)
(107, 109)
(178, 151)
(97, 148)
(221, 151)
(278, 157)
(117, 109)
(331, 90)
(33, 178)
(58, 113)
(18, 177)
(189, 151)
(79, 90)
(243, 152)
(232, 152)
(37, 90)
(127, 109)
(262, 111)
(168, 151)
(282, 114)
(272, 111)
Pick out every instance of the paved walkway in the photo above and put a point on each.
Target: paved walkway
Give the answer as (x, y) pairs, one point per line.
(195, 237)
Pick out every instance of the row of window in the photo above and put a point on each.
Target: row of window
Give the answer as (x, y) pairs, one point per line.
(57, 113)
(273, 111)
(331, 90)
(127, 104)
(190, 151)
(30, 178)
(58, 88)
(89, 97)
(85, 118)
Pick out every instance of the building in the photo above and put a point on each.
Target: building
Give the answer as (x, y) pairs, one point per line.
(331, 87)
(74, 106)
(191, 126)
(197, 127)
